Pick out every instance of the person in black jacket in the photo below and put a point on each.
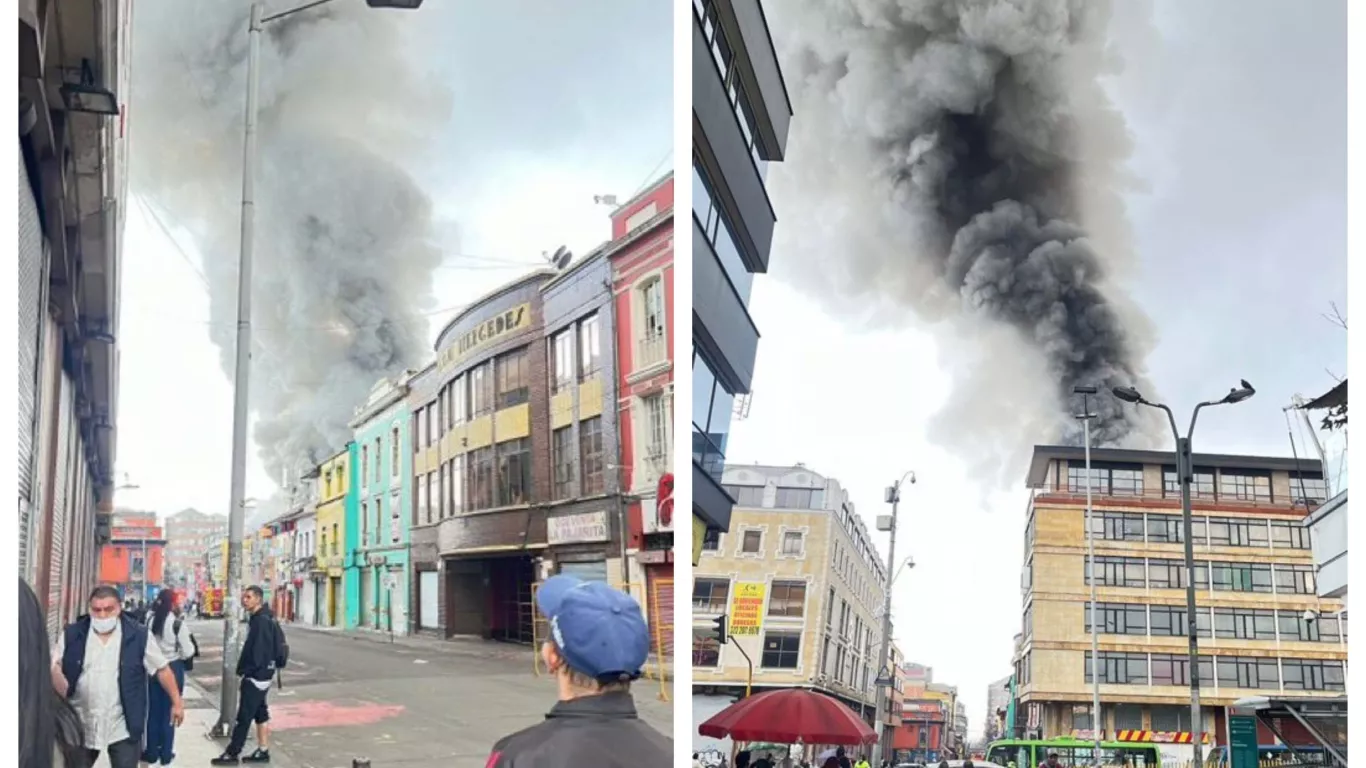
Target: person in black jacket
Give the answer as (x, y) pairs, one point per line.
(598, 644)
(256, 665)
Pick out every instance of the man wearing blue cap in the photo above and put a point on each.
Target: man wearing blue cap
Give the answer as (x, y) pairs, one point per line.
(598, 644)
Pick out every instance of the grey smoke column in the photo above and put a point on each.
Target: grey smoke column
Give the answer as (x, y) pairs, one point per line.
(344, 234)
(960, 158)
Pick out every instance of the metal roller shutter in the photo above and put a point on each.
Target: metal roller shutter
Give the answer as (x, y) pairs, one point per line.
(595, 570)
(61, 499)
(31, 245)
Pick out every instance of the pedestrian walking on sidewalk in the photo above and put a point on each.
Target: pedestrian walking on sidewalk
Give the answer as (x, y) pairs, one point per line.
(169, 633)
(263, 655)
(598, 644)
(105, 660)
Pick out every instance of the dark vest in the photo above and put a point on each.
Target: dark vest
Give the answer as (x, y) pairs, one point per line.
(132, 673)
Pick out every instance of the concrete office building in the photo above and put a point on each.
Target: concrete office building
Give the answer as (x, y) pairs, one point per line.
(741, 114)
(1265, 630)
(188, 533)
(802, 585)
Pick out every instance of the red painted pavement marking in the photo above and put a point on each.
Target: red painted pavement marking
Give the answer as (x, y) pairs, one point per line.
(320, 714)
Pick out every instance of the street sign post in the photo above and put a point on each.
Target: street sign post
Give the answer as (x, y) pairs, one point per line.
(1242, 738)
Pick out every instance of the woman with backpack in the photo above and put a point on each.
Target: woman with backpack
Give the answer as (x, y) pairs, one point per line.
(173, 637)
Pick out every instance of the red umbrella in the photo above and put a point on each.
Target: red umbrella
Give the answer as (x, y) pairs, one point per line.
(787, 716)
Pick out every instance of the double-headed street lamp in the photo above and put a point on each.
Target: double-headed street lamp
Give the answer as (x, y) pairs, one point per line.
(1185, 474)
(236, 496)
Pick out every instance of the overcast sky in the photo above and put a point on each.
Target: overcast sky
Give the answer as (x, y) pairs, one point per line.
(1239, 117)
(544, 117)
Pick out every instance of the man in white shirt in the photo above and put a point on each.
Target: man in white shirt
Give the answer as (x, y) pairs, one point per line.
(102, 663)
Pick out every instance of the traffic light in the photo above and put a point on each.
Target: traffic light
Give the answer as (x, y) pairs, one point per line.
(721, 635)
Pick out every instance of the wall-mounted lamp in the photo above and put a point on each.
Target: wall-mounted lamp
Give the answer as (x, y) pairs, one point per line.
(79, 97)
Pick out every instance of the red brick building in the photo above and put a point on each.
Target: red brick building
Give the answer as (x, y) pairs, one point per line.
(134, 558)
(642, 256)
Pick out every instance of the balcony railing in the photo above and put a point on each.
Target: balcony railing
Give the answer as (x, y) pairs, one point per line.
(651, 350)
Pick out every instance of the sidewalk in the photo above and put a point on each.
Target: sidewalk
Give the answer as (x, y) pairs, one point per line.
(193, 744)
(469, 646)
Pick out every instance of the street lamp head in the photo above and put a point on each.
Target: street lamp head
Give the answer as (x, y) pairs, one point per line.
(1239, 394)
(1080, 390)
(1127, 394)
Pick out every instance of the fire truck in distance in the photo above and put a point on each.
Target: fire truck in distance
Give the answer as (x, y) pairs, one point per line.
(211, 603)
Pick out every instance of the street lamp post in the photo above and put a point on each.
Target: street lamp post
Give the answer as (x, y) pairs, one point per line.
(880, 714)
(1086, 416)
(1185, 473)
(241, 375)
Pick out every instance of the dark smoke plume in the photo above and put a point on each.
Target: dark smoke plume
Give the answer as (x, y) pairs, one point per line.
(960, 159)
(344, 239)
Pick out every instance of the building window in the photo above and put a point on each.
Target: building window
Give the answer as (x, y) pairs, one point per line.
(1106, 480)
(1295, 579)
(590, 352)
(1244, 486)
(364, 462)
(433, 425)
(1245, 623)
(1170, 620)
(1235, 672)
(710, 595)
(1307, 488)
(514, 378)
(481, 390)
(751, 542)
(793, 498)
(656, 431)
(792, 543)
(561, 361)
(456, 506)
(1165, 528)
(1170, 718)
(751, 496)
(1120, 668)
(711, 415)
(1128, 717)
(591, 454)
(1241, 577)
(514, 472)
(420, 429)
(562, 462)
(1170, 574)
(1238, 532)
(364, 523)
(443, 491)
(1076, 479)
(781, 650)
(706, 650)
(481, 478)
(653, 321)
(1118, 572)
(718, 232)
(1119, 619)
(711, 540)
(1117, 526)
(379, 452)
(423, 513)
(393, 452)
(1313, 675)
(1202, 483)
(394, 506)
(787, 598)
(1289, 534)
(335, 537)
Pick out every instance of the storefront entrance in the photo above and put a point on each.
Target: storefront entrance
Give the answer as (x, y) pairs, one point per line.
(490, 598)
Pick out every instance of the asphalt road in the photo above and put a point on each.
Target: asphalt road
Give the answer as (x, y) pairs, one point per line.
(411, 703)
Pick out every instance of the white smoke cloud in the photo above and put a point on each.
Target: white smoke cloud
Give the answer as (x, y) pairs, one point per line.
(959, 162)
(345, 245)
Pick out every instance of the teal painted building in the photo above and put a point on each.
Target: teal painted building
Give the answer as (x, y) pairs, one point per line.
(383, 483)
(351, 576)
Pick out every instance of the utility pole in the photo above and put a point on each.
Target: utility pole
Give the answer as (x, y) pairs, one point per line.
(893, 497)
(1086, 417)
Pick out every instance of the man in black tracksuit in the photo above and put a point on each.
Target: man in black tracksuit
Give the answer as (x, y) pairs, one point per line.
(598, 644)
(256, 665)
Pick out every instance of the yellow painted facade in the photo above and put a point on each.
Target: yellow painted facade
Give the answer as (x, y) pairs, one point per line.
(334, 479)
(1056, 639)
(758, 573)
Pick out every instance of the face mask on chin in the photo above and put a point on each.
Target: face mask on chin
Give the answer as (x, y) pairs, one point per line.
(104, 626)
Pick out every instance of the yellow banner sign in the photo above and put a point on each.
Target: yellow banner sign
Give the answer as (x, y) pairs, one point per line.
(496, 328)
(746, 608)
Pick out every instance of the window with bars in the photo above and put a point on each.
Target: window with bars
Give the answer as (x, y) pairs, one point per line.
(656, 430)
(787, 599)
(1118, 572)
(1118, 618)
(1118, 668)
(652, 306)
(1244, 486)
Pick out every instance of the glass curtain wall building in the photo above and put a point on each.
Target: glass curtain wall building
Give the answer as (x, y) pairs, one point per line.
(741, 114)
